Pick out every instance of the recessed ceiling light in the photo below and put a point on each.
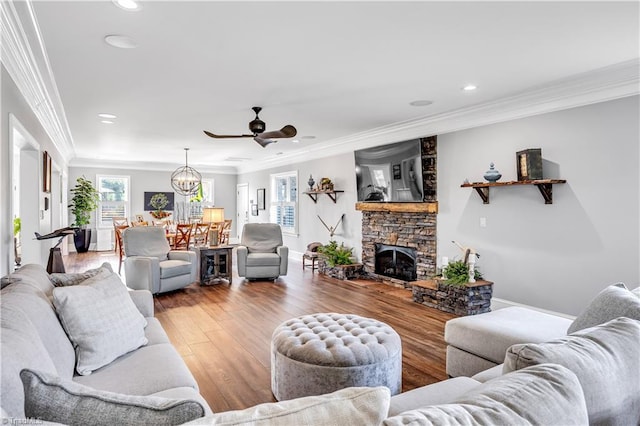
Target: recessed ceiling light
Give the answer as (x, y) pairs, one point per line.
(105, 115)
(421, 102)
(120, 41)
(295, 141)
(469, 88)
(130, 5)
(106, 121)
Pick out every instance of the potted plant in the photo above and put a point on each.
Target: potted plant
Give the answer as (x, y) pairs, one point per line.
(457, 273)
(337, 261)
(17, 226)
(85, 200)
(159, 201)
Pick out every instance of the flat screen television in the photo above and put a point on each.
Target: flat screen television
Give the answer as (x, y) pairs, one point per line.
(390, 173)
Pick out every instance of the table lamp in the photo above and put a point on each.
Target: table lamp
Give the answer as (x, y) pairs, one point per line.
(213, 215)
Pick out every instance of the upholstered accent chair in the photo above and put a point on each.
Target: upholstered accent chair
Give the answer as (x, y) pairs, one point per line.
(150, 263)
(261, 254)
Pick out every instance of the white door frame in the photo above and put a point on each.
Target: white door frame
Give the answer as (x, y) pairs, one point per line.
(242, 207)
(22, 140)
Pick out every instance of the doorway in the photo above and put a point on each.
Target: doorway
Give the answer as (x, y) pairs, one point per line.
(242, 207)
(26, 193)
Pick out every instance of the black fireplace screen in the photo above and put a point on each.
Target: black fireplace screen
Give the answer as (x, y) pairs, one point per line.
(396, 262)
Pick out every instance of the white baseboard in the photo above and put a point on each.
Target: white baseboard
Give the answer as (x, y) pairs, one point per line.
(497, 303)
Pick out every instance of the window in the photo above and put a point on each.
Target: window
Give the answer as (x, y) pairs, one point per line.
(284, 201)
(114, 199)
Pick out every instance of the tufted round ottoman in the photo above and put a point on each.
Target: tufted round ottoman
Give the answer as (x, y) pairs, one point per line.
(320, 353)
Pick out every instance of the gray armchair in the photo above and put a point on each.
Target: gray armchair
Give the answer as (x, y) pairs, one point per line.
(261, 253)
(150, 263)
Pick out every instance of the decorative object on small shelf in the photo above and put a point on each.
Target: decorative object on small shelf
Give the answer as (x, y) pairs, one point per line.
(326, 184)
(311, 182)
(492, 175)
(529, 164)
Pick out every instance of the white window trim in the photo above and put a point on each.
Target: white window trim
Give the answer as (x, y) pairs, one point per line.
(127, 204)
(273, 177)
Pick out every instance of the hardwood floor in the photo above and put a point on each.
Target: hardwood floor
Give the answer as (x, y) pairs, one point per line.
(223, 332)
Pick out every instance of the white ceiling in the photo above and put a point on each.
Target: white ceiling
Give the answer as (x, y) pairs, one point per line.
(335, 70)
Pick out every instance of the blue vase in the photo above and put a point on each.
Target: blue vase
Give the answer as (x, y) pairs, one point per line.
(492, 175)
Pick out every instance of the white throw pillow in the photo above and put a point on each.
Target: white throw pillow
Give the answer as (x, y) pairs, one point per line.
(100, 319)
(350, 406)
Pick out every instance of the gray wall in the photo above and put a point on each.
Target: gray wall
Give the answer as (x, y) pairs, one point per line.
(558, 256)
(341, 170)
(555, 257)
(142, 181)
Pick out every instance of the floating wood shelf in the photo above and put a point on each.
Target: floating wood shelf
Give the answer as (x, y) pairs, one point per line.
(331, 194)
(427, 207)
(544, 185)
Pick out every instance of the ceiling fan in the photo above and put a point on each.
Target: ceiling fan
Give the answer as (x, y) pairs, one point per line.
(257, 128)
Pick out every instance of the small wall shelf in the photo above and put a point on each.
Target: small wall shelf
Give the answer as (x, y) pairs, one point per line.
(544, 185)
(331, 194)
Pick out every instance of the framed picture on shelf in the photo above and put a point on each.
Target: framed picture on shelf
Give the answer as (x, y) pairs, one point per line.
(46, 172)
(254, 210)
(529, 164)
(261, 194)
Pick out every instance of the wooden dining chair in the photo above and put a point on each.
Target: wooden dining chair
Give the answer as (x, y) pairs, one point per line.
(200, 234)
(119, 230)
(118, 221)
(226, 231)
(143, 223)
(183, 236)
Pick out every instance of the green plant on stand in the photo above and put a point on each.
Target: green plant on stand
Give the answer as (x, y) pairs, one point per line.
(336, 255)
(457, 273)
(84, 201)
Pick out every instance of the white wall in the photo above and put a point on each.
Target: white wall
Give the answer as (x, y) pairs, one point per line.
(142, 181)
(558, 256)
(13, 104)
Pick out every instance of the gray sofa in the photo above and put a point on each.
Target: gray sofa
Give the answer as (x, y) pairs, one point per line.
(33, 337)
(591, 376)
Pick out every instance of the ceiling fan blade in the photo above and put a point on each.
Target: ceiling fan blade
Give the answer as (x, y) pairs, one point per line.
(262, 141)
(212, 135)
(287, 131)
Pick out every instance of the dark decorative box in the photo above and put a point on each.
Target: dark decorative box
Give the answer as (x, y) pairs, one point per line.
(529, 164)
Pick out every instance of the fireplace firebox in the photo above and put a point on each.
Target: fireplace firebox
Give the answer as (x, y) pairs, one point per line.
(396, 262)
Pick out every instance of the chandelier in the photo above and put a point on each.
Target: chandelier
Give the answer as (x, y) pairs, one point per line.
(185, 180)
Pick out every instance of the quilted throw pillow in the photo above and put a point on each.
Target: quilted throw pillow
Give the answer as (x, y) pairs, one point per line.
(48, 397)
(63, 280)
(100, 319)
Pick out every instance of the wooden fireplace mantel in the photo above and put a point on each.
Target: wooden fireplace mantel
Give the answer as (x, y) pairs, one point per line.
(398, 207)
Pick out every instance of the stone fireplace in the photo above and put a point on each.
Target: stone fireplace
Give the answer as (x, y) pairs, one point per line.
(396, 262)
(410, 226)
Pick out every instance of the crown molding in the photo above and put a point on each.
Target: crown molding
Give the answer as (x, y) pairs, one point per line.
(24, 56)
(600, 85)
(147, 166)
